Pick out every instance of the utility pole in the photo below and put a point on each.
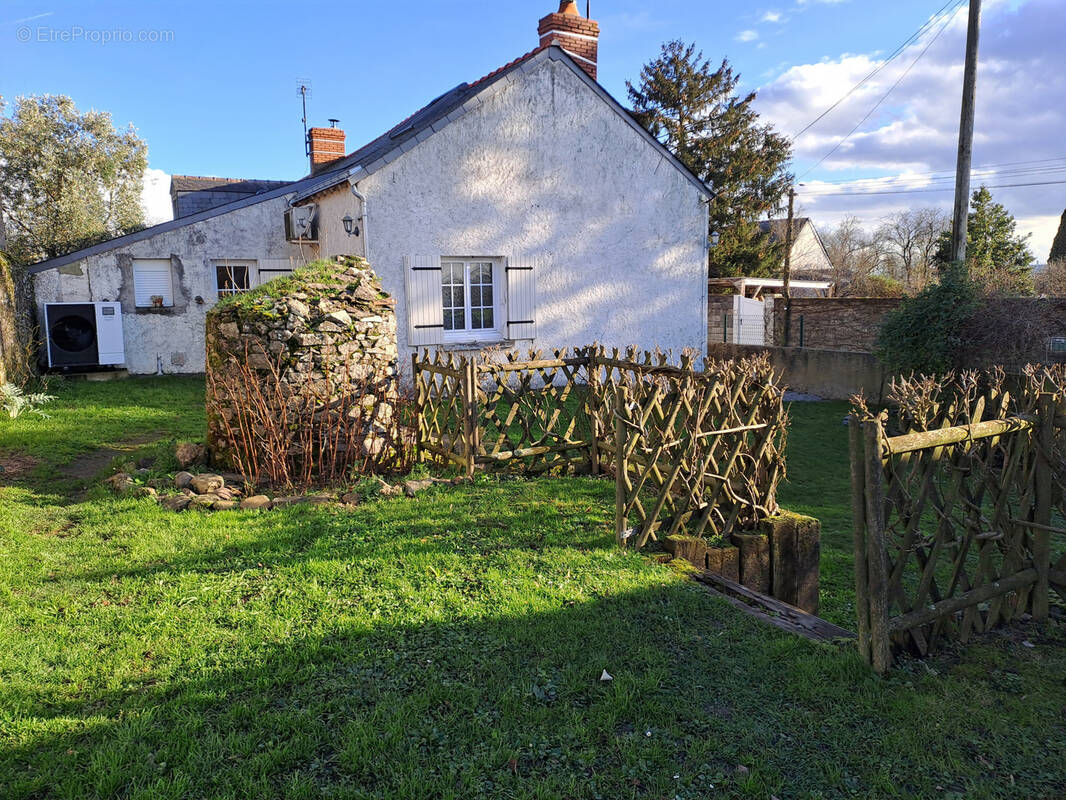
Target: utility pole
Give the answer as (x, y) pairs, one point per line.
(960, 216)
(786, 289)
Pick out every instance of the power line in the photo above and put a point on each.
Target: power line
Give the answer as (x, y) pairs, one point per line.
(895, 54)
(941, 174)
(908, 184)
(929, 191)
(906, 72)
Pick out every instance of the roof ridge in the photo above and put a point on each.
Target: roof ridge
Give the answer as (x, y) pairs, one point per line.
(510, 64)
(229, 180)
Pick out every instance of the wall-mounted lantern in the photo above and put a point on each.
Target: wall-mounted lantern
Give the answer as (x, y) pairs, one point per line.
(350, 227)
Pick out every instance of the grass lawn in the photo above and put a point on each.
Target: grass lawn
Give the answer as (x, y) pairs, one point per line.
(450, 646)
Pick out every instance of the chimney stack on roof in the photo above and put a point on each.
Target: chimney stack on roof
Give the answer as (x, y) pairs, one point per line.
(577, 35)
(325, 145)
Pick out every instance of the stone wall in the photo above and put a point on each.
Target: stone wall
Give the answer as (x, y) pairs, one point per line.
(324, 338)
(832, 323)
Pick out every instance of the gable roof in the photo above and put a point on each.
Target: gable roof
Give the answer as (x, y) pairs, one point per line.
(466, 96)
(429, 119)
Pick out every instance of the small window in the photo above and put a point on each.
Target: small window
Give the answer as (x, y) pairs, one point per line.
(232, 278)
(1058, 344)
(153, 283)
(468, 295)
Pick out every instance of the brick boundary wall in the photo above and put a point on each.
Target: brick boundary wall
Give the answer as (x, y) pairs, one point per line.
(833, 323)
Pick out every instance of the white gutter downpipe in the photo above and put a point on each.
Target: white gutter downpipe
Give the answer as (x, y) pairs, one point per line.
(354, 175)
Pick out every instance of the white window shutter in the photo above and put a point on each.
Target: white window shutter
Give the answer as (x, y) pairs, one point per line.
(152, 278)
(521, 297)
(425, 306)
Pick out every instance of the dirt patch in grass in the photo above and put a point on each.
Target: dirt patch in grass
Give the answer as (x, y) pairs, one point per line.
(89, 466)
(14, 466)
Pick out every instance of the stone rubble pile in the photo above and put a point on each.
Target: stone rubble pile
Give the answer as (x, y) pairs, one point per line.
(330, 332)
(210, 491)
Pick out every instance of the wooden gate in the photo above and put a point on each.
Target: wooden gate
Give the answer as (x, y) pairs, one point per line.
(952, 529)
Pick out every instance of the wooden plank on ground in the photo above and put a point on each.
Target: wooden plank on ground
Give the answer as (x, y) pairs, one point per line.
(771, 610)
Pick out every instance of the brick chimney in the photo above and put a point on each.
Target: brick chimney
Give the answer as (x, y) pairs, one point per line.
(325, 145)
(574, 33)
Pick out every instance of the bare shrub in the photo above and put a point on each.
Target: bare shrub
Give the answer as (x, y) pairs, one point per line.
(322, 434)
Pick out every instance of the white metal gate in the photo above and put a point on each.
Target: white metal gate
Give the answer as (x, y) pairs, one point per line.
(749, 321)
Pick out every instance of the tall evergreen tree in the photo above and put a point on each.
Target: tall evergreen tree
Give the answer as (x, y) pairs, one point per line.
(67, 178)
(696, 112)
(997, 258)
(1058, 247)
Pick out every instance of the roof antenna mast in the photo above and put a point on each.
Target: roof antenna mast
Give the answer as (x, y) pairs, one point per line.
(303, 88)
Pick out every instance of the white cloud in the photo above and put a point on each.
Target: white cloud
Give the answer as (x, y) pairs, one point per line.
(1021, 110)
(747, 36)
(772, 16)
(155, 197)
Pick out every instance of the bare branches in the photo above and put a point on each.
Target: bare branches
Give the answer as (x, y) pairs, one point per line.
(324, 434)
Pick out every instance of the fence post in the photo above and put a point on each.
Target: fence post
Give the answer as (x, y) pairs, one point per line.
(876, 558)
(858, 521)
(419, 407)
(469, 381)
(620, 468)
(1042, 512)
(593, 406)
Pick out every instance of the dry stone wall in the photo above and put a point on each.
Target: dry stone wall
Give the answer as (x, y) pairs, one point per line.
(322, 345)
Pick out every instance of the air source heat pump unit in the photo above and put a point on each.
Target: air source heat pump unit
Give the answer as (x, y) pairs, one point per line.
(84, 335)
(301, 223)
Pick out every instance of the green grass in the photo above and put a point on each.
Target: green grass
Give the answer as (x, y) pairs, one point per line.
(451, 646)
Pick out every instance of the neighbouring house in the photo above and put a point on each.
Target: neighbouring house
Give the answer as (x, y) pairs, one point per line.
(192, 193)
(525, 209)
(810, 259)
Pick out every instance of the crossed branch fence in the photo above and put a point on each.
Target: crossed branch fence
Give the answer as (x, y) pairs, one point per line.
(954, 517)
(695, 452)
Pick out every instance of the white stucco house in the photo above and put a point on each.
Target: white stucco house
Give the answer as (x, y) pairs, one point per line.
(527, 208)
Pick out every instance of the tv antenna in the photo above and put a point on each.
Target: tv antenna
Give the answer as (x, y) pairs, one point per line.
(303, 88)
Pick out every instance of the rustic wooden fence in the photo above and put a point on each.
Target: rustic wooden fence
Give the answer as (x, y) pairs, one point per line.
(954, 517)
(696, 452)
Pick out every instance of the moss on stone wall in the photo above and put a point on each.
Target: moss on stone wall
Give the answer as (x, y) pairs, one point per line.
(323, 336)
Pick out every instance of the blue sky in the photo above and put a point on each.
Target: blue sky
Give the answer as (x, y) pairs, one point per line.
(218, 96)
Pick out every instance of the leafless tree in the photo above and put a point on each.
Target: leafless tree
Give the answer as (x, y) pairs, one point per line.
(1051, 281)
(856, 257)
(909, 241)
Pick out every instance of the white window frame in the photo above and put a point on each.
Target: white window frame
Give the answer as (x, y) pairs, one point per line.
(253, 275)
(140, 298)
(499, 301)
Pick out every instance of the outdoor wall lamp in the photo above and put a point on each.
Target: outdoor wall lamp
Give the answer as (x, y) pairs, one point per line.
(350, 227)
(715, 236)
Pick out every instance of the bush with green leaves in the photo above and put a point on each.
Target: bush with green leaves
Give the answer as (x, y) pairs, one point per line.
(924, 334)
(16, 401)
